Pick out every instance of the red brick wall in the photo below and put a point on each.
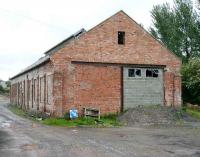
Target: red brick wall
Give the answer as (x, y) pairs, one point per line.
(100, 45)
(58, 94)
(177, 91)
(172, 84)
(97, 87)
(169, 88)
(13, 93)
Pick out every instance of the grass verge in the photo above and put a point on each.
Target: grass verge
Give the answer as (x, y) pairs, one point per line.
(17, 111)
(194, 113)
(105, 121)
(109, 120)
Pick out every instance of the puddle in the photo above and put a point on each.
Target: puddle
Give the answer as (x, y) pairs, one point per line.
(3, 138)
(75, 131)
(5, 123)
(29, 147)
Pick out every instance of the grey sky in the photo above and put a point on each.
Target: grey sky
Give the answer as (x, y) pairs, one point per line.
(29, 28)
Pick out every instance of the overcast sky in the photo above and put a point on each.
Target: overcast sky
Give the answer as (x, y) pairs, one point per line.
(30, 27)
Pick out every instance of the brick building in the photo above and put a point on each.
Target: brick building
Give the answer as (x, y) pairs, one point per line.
(114, 66)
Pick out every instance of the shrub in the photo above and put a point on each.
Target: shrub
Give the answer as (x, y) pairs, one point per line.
(1, 89)
(66, 116)
(191, 81)
(4, 90)
(110, 116)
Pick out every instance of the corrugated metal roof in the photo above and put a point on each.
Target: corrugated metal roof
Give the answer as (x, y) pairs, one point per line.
(34, 65)
(48, 53)
(61, 44)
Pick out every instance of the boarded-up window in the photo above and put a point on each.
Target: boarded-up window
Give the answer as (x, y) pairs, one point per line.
(32, 92)
(42, 89)
(18, 93)
(49, 88)
(28, 90)
(35, 90)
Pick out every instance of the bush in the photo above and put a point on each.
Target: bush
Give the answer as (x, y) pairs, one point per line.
(191, 81)
(4, 90)
(110, 116)
(8, 83)
(1, 89)
(66, 116)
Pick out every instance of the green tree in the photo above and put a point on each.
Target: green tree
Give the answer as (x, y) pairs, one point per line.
(1, 89)
(191, 81)
(8, 83)
(178, 28)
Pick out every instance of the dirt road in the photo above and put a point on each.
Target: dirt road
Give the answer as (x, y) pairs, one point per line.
(23, 138)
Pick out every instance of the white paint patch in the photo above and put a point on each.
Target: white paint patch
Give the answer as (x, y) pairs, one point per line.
(6, 124)
(75, 131)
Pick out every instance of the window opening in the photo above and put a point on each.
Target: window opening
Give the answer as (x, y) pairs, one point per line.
(134, 72)
(121, 38)
(152, 73)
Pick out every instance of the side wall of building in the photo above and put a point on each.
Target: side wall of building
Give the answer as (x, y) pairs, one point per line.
(34, 89)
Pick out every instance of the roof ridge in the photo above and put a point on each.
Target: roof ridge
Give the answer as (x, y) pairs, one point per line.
(73, 36)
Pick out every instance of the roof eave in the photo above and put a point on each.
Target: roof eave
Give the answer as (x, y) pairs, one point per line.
(119, 64)
(21, 73)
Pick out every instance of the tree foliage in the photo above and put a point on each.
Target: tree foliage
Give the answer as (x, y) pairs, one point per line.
(1, 89)
(178, 28)
(8, 83)
(191, 81)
